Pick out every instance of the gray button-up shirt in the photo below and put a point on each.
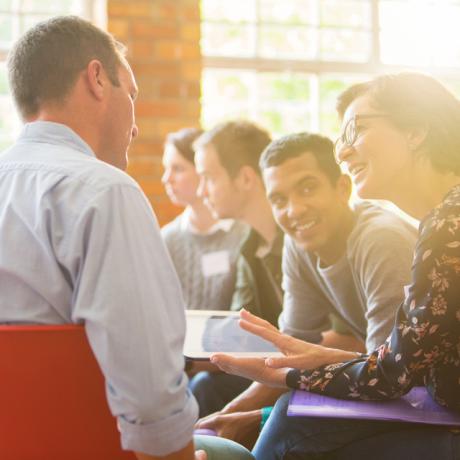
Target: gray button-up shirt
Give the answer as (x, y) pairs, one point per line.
(79, 243)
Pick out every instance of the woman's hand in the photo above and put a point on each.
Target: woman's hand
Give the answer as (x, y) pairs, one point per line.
(272, 371)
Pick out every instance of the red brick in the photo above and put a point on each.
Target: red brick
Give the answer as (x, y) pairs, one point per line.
(155, 70)
(173, 89)
(191, 32)
(145, 29)
(118, 28)
(168, 49)
(191, 70)
(142, 166)
(142, 49)
(158, 108)
(194, 89)
(128, 8)
(152, 187)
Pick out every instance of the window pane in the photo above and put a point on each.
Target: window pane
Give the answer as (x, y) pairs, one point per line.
(6, 31)
(9, 121)
(227, 40)
(425, 35)
(50, 7)
(350, 13)
(287, 42)
(345, 45)
(284, 100)
(226, 94)
(228, 11)
(288, 11)
(6, 5)
(330, 88)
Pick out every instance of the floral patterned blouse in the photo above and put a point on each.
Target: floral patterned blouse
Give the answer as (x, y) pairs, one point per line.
(424, 346)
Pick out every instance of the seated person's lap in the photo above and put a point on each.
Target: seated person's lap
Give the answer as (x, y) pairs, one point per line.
(221, 449)
(292, 438)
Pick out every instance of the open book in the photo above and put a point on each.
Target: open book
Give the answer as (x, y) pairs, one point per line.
(416, 406)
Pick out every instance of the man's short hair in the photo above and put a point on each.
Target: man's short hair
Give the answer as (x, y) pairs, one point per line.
(237, 144)
(294, 145)
(45, 62)
(183, 140)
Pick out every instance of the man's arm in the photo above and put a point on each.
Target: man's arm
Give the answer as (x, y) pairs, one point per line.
(333, 339)
(382, 263)
(128, 296)
(306, 309)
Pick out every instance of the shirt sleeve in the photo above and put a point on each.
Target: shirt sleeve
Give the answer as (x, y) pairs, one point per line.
(423, 344)
(129, 297)
(306, 310)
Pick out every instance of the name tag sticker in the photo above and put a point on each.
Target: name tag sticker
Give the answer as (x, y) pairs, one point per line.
(215, 263)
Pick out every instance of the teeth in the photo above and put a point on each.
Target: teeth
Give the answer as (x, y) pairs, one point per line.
(305, 226)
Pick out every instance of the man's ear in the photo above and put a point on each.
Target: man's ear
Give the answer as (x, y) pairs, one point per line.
(343, 188)
(247, 177)
(96, 78)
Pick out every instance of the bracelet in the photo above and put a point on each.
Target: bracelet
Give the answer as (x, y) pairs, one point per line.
(265, 413)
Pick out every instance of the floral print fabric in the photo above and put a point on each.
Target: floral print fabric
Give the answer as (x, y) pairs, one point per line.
(424, 346)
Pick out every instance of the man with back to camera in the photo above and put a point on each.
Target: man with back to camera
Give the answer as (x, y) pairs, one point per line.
(86, 247)
(227, 159)
(350, 261)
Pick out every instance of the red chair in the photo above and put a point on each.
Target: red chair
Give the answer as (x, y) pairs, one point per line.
(52, 397)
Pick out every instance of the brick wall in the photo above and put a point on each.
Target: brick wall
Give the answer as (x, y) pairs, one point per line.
(162, 37)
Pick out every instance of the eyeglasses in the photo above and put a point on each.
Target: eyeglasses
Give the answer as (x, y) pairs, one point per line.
(350, 132)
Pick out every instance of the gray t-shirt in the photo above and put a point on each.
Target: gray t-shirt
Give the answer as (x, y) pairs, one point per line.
(364, 288)
(205, 263)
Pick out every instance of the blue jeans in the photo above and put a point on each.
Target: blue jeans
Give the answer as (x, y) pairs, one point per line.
(304, 438)
(222, 449)
(214, 390)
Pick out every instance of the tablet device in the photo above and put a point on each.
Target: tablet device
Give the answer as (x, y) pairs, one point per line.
(211, 332)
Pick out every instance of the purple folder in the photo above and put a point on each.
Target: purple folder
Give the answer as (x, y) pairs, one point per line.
(416, 406)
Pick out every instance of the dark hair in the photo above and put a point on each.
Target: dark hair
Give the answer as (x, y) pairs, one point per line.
(45, 62)
(416, 100)
(294, 145)
(183, 140)
(237, 143)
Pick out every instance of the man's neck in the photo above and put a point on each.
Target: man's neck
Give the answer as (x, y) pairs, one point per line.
(200, 217)
(336, 246)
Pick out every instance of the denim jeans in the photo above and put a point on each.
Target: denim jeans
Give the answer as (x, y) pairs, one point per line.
(304, 438)
(221, 449)
(214, 390)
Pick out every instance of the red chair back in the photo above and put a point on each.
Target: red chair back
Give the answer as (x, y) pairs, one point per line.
(52, 397)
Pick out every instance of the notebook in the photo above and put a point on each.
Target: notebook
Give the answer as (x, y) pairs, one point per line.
(416, 406)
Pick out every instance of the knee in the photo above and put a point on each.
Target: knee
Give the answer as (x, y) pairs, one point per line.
(201, 383)
(221, 449)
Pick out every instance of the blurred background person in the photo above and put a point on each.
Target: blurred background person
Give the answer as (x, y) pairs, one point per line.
(203, 249)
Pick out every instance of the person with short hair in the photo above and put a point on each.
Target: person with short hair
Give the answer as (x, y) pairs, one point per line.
(346, 261)
(227, 158)
(400, 141)
(79, 242)
(203, 248)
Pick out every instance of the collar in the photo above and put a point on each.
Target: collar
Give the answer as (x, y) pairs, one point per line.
(54, 133)
(257, 246)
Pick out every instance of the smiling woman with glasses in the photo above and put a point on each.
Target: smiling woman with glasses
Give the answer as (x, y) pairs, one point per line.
(400, 142)
(351, 132)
